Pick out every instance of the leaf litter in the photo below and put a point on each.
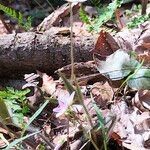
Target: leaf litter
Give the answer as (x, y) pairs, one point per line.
(130, 108)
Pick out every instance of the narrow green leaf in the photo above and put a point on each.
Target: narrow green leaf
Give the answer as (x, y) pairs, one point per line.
(79, 94)
(35, 115)
(99, 115)
(15, 142)
(4, 112)
(67, 83)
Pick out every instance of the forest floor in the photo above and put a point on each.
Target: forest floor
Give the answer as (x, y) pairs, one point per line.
(102, 103)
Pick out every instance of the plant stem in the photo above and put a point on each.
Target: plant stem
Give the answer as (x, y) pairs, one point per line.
(80, 96)
(71, 38)
(87, 136)
(68, 134)
(88, 116)
(104, 139)
(130, 76)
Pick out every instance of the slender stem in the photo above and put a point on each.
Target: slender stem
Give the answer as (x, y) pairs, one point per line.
(104, 139)
(80, 96)
(95, 146)
(86, 134)
(87, 115)
(68, 134)
(130, 76)
(71, 38)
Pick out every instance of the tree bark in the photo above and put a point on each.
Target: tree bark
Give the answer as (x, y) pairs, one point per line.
(27, 52)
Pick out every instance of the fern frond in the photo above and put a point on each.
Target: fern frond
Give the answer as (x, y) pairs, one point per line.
(83, 16)
(106, 13)
(26, 23)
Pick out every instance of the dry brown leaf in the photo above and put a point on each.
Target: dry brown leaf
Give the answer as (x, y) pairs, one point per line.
(3, 29)
(86, 72)
(120, 130)
(2, 142)
(136, 39)
(142, 100)
(132, 126)
(146, 45)
(144, 56)
(105, 45)
(49, 85)
(102, 93)
(56, 18)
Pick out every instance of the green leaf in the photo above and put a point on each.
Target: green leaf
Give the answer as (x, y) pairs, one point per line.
(138, 20)
(4, 112)
(83, 16)
(107, 14)
(140, 80)
(35, 115)
(68, 85)
(15, 100)
(117, 66)
(22, 21)
(79, 94)
(15, 142)
(99, 116)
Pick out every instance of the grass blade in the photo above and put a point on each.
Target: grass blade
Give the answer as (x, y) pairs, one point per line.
(15, 142)
(35, 115)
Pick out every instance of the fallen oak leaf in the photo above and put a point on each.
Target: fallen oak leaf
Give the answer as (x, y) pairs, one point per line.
(105, 45)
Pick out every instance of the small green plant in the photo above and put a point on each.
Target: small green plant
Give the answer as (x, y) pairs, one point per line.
(84, 17)
(134, 10)
(22, 21)
(16, 103)
(71, 102)
(105, 13)
(137, 21)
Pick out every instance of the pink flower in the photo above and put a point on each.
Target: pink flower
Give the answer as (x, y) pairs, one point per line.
(65, 101)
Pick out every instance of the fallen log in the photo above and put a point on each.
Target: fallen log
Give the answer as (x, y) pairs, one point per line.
(30, 51)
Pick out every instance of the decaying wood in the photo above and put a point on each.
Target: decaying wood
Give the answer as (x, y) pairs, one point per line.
(48, 51)
(27, 52)
(85, 72)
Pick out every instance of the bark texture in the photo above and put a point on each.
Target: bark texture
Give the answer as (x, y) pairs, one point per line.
(27, 52)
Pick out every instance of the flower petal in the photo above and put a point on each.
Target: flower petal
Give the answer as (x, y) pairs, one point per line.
(60, 113)
(70, 99)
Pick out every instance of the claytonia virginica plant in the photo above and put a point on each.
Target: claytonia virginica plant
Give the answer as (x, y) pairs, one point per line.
(65, 101)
